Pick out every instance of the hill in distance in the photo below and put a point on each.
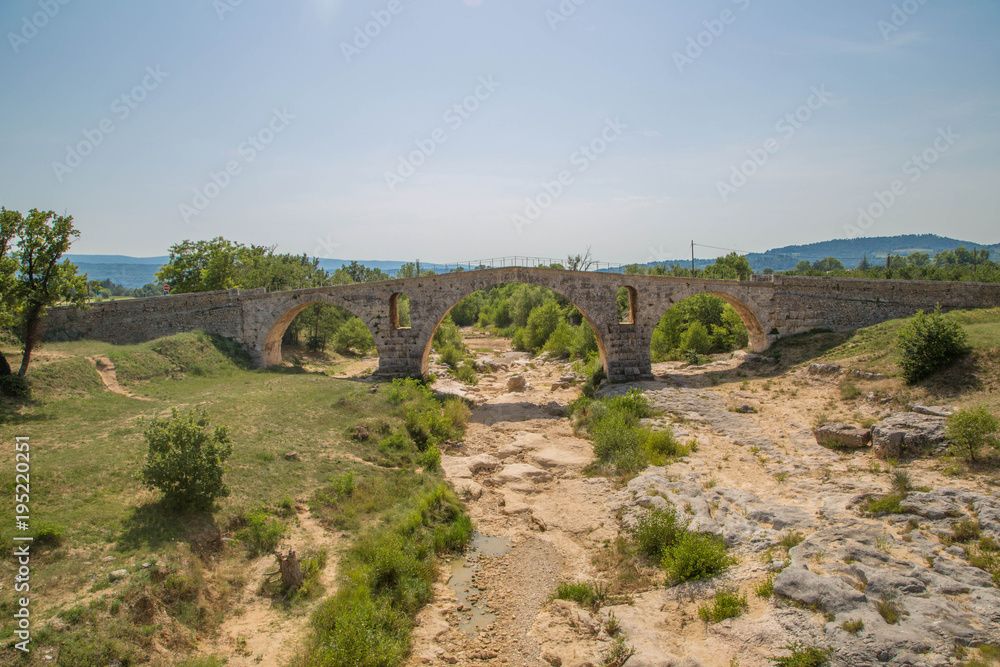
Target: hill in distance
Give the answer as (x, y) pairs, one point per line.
(134, 272)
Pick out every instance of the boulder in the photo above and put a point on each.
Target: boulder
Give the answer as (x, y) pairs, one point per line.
(517, 383)
(118, 574)
(906, 433)
(483, 463)
(842, 435)
(831, 595)
(932, 410)
(824, 369)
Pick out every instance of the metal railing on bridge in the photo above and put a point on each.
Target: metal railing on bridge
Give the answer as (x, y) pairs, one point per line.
(516, 261)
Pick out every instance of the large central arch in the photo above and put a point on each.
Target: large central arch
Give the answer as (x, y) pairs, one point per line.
(425, 337)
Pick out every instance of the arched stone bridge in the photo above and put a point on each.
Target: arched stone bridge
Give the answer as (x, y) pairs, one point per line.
(771, 309)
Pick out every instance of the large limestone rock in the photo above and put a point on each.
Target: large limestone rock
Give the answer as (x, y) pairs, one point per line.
(908, 433)
(842, 435)
(522, 472)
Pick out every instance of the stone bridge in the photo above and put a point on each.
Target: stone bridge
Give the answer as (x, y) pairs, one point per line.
(771, 309)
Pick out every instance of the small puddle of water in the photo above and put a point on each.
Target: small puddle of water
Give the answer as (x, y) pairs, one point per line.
(478, 617)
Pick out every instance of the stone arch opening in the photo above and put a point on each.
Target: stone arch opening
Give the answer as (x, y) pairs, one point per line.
(427, 337)
(399, 311)
(706, 323)
(627, 302)
(360, 332)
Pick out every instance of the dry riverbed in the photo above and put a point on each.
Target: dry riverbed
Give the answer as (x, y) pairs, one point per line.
(754, 479)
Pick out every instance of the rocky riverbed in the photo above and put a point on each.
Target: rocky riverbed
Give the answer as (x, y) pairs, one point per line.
(757, 479)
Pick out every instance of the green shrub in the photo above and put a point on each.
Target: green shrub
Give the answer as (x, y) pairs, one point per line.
(853, 626)
(765, 588)
(972, 429)
(467, 373)
(448, 335)
(185, 460)
(262, 532)
(696, 556)
(561, 342)
(791, 539)
(585, 593)
(353, 335)
(451, 356)
(803, 656)
(727, 603)
(47, 534)
(430, 460)
(891, 503)
(14, 386)
(344, 485)
(656, 531)
(889, 608)
(928, 344)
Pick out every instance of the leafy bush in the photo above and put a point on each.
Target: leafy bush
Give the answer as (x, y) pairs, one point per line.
(929, 343)
(973, 428)
(891, 503)
(353, 335)
(696, 556)
(727, 603)
(185, 460)
(451, 356)
(430, 460)
(656, 530)
(14, 386)
(560, 342)
(262, 532)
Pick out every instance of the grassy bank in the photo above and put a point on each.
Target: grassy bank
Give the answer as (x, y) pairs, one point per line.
(184, 572)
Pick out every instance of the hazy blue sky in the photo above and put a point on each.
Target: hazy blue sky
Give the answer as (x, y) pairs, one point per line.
(666, 121)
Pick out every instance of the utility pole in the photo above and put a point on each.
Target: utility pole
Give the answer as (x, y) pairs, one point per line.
(692, 259)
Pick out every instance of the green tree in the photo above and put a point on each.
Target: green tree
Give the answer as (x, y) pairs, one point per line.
(973, 428)
(829, 264)
(354, 335)
(40, 279)
(185, 460)
(542, 322)
(9, 226)
(697, 339)
(201, 266)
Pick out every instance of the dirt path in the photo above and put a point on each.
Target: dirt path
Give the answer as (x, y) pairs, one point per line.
(109, 376)
(261, 631)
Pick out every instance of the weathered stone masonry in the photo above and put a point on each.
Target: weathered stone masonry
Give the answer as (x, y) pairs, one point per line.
(784, 306)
